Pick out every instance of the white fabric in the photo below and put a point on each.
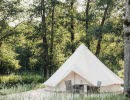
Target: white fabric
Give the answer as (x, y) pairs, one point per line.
(88, 66)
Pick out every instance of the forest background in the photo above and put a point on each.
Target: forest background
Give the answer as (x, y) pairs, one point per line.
(38, 36)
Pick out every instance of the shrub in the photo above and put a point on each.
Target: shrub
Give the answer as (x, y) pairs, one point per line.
(13, 80)
(32, 78)
(10, 80)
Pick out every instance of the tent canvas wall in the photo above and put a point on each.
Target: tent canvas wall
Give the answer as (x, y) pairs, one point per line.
(84, 66)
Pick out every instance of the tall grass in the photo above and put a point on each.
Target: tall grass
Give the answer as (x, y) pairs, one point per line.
(19, 88)
(87, 97)
(45, 95)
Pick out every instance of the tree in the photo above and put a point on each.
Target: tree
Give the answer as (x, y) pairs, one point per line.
(71, 28)
(44, 39)
(55, 29)
(98, 47)
(8, 10)
(52, 27)
(53, 4)
(127, 49)
(8, 61)
(87, 23)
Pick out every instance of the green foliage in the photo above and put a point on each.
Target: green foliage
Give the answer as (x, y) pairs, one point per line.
(10, 79)
(8, 61)
(21, 47)
(32, 79)
(13, 80)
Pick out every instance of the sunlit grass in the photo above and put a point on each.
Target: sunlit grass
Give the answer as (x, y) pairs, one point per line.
(19, 88)
(46, 95)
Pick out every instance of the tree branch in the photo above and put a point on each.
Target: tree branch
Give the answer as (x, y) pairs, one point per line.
(9, 33)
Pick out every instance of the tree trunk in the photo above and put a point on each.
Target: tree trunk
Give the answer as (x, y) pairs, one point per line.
(52, 35)
(126, 27)
(98, 47)
(72, 26)
(44, 38)
(52, 28)
(87, 23)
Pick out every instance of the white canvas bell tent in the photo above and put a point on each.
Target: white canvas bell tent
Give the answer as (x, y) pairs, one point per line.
(83, 66)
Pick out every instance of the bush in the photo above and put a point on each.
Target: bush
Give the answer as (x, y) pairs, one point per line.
(13, 80)
(32, 78)
(10, 80)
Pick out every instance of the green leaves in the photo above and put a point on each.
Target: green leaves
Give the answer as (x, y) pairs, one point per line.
(8, 59)
(23, 48)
